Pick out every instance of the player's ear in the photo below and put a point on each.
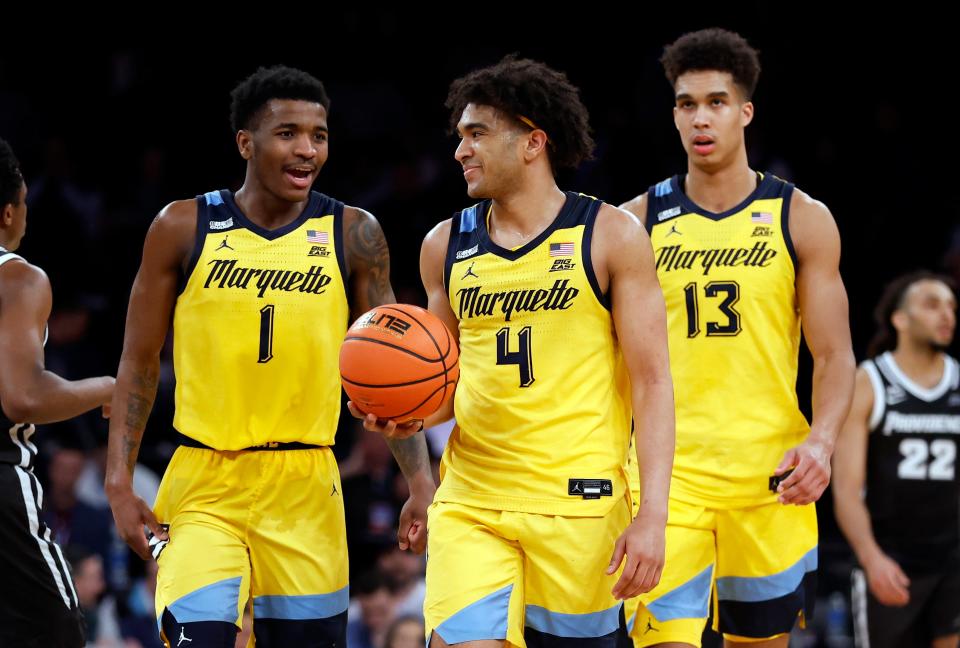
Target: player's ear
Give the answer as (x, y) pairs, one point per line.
(7, 215)
(899, 320)
(746, 113)
(245, 144)
(536, 143)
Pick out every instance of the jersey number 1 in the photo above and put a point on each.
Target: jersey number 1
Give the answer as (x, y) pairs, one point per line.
(266, 334)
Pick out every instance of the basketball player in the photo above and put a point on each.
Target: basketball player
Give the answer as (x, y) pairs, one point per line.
(900, 442)
(38, 602)
(261, 284)
(561, 326)
(743, 258)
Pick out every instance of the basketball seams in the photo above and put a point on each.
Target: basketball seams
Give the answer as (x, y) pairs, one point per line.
(441, 354)
(351, 338)
(442, 374)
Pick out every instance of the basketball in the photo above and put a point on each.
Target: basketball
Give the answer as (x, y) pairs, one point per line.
(399, 362)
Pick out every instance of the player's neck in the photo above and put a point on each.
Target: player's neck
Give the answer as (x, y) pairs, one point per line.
(519, 216)
(264, 208)
(923, 365)
(721, 189)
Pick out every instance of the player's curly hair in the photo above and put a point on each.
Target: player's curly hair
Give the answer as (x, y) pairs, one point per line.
(713, 49)
(11, 179)
(277, 82)
(523, 88)
(892, 300)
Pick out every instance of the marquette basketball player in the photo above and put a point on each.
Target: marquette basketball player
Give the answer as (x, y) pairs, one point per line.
(261, 284)
(38, 602)
(743, 258)
(561, 325)
(900, 442)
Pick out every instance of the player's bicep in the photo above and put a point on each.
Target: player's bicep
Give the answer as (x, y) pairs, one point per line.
(639, 312)
(821, 294)
(433, 254)
(368, 259)
(26, 306)
(155, 286)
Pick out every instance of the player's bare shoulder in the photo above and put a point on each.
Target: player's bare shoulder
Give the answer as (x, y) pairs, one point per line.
(174, 228)
(812, 226)
(637, 206)
(18, 277)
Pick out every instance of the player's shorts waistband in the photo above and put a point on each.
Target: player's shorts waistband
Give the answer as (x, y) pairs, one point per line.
(184, 440)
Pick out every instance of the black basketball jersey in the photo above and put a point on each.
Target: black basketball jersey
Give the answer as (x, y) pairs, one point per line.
(913, 493)
(15, 445)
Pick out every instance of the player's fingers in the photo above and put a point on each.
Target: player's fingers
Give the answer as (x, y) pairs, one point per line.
(617, 557)
(798, 474)
(150, 520)
(626, 577)
(389, 429)
(417, 537)
(354, 411)
(403, 529)
(900, 577)
(789, 460)
(640, 581)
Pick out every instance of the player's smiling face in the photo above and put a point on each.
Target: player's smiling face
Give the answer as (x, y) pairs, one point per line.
(489, 151)
(710, 114)
(287, 147)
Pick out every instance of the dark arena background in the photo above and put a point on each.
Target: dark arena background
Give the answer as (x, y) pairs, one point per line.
(108, 130)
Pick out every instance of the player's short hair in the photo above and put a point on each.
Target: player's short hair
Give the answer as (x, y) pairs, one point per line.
(533, 94)
(11, 179)
(277, 82)
(713, 49)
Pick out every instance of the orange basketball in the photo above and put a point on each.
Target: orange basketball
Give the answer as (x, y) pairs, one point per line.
(399, 362)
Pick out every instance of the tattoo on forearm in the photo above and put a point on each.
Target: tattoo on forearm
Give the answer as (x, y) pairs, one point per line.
(369, 253)
(130, 448)
(411, 454)
(138, 411)
(139, 403)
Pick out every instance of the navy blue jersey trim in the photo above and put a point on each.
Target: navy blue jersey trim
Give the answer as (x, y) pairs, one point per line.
(512, 255)
(785, 225)
(338, 241)
(762, 190)
(586, 255)
(451, 249)
(200, 237)
(309, 210)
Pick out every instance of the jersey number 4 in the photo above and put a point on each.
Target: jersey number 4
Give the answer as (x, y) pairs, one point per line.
(916, 462)
(523, 357)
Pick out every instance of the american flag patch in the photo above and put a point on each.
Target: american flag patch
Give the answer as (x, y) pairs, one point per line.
(313, 236)
(561, 249)
(762, 217)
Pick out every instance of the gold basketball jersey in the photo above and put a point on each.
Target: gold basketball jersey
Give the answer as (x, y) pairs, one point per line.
(258, 327)
(734, 334)
(543, 402)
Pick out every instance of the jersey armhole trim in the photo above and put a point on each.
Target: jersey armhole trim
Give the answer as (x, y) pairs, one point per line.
(451, 251)
(200, 237)
(586, 257)
(785, 226)
(879, 394)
